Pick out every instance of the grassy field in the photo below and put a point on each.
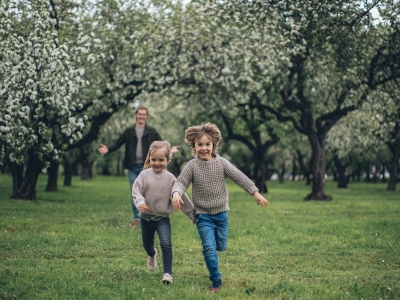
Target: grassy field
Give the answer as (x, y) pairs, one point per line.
(77, 244)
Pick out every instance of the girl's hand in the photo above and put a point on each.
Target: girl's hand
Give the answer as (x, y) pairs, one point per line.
(143, 208)
(176, 201)
(260, 200)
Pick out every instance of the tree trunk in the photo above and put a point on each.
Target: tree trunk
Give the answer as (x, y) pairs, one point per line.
(52, 177)
(375, 175)
(358, 173)
(4, 168)
(68, 172)
(394, 166)
(335, 174)
(17, 173)
(308, 174)
(383, 171)
(71, 162)
(304, 170)
(260, 172)
(342, 179)
(281, 174)
(119, 168)
(367, 173)
(86, 172)
(318, 161)
(27, 190)
(294, 168)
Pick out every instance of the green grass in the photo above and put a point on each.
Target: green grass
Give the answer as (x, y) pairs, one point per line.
(77, 244)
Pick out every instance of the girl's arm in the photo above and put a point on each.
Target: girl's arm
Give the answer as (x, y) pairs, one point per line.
(137, 191)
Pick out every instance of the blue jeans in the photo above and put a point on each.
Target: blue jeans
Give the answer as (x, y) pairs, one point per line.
(163, 229)
(133, 174)
(213, 230)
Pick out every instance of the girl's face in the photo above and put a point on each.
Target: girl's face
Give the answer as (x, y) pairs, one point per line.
(158, 160)
(203, 147)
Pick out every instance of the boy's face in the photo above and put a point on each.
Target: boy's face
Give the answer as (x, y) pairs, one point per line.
(203, 147)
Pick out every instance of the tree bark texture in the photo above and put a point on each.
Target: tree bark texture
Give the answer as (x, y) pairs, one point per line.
(318, 166)
(305, 170)
(86, 168)
(367, 173)
(281, 173)
(294, 168)
(52, 177)
(342, 179)
(17, 173)
(260, 176)
(27, 190)
(394, 166)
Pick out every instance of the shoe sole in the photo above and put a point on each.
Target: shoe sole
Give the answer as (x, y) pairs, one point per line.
(167, 280)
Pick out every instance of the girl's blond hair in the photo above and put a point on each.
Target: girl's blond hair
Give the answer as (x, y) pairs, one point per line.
(208, 129)
(157, 145)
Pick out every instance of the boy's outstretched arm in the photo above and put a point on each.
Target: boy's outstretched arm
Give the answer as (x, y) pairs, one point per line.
(176, 201)
(260, 200)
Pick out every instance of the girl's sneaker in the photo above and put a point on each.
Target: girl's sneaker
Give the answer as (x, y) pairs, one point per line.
(216, 285)
(152, 261)
(167, 278)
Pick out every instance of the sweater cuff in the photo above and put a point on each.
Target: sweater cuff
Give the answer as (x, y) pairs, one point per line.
(252, 194)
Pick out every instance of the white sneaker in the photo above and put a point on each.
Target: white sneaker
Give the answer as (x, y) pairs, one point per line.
(152, 261)
(167, 278)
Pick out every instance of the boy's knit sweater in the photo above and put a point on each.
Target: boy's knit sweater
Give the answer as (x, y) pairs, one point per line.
(154, 189)
(209, 191)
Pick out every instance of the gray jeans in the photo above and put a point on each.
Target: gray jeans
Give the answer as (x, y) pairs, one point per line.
(163, 229)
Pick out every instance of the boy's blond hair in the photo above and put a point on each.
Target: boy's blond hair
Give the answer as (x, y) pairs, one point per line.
(208, 129)
(157, 145)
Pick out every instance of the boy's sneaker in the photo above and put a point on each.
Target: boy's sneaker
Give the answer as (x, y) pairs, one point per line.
(152, 261)
(216, 285)
(167, 278)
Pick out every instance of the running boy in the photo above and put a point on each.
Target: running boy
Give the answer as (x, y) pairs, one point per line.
(207, 173)
(151, 193)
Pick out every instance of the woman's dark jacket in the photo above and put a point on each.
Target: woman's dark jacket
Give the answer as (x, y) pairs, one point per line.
(129, 138)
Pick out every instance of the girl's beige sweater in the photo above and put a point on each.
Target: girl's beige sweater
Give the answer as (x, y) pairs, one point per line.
(154, 189)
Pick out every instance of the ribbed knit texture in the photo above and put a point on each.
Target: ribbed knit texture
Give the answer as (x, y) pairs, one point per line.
(209, 191)
(155, 190)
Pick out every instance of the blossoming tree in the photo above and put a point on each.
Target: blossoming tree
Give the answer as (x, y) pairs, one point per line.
(39, 78)
(309, 63)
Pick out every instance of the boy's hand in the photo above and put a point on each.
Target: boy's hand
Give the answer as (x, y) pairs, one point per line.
(176, 201)
(260, 200)
(143, 208)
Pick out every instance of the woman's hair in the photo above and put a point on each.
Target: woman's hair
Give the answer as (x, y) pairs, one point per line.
(157, 145)
(208, 129)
